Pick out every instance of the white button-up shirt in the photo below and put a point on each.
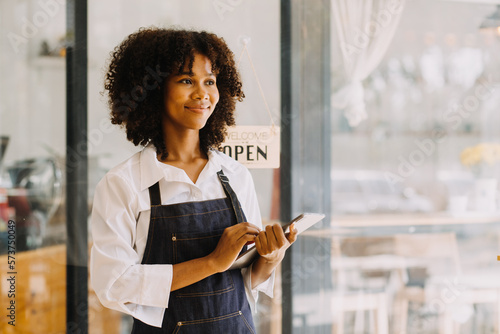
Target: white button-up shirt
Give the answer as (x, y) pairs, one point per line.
(120, 224)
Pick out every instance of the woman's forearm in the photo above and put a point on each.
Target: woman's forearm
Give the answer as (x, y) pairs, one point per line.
(261, 271)
(190, 272)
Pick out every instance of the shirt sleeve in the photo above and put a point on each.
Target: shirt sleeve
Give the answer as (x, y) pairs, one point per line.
(266, 287)
(119, 279)
(252, 210)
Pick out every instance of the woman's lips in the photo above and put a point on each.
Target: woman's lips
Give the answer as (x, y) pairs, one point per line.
(198, 109)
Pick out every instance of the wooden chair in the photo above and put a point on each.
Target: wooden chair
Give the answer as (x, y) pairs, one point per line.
(444, 284)
(362, 269)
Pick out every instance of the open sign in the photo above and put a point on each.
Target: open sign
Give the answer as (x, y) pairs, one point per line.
(254, 146)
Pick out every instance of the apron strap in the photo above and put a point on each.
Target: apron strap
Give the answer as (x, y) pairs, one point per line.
(154, 194)
(231, 195)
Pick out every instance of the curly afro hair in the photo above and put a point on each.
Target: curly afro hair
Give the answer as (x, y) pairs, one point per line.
(137, 75)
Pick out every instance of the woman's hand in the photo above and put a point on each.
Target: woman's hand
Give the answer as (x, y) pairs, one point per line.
(230, 244)
(272, 243)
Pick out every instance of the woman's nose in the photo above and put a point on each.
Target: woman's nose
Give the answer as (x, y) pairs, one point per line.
(200, 92)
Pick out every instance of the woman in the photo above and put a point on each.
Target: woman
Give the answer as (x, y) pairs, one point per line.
(168, 222)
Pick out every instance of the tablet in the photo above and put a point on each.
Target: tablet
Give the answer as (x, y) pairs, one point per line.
(302, 223)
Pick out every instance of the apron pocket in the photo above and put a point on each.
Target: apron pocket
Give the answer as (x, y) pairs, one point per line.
(230, 323)
(189, 246)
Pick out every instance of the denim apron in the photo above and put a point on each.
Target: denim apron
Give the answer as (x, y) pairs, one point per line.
(186, 231)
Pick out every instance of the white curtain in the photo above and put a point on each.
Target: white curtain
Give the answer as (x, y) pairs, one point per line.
(365, 29)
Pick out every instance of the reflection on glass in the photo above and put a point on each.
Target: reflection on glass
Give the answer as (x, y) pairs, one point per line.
(402, 176)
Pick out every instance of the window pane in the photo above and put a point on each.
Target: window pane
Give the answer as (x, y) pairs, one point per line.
(425, 161)
(33, 144)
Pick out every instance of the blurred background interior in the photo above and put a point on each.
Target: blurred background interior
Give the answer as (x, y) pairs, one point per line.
(412, 233)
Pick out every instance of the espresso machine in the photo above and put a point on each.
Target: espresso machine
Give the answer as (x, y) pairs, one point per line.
(34, 192)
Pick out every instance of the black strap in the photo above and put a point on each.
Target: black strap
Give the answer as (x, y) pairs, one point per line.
(154, 194)
(232, 196)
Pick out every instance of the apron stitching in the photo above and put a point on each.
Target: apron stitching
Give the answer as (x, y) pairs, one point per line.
(208, 200)
(246, 323)
(207, 237)
(191, 214)
(210, 293)
(203, 321)
(205, 294)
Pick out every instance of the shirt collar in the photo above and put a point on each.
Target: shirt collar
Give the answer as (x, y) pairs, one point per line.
(153, 170)
(218, 161)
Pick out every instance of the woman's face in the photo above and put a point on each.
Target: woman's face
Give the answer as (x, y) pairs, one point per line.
(190, 98)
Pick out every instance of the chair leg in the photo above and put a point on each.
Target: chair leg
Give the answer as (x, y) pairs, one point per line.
(338, 324)
(381, 316)
(497, 320)
(446, 325)
(359, 320)
(400, 315)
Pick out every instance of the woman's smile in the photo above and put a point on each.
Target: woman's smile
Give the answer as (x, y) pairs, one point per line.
(198, 109)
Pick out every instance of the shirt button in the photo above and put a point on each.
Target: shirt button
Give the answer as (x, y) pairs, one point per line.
(197, 195)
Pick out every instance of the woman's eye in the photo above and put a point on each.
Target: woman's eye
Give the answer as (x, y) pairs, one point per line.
(186, 81)
(211, 82)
